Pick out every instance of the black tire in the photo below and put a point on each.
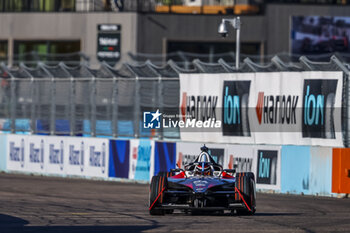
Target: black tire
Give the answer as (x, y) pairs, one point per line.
(245, 183)
(166, 174)
(158, 183)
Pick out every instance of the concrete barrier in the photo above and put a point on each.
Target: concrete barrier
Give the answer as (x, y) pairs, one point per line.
(286, 169)
(341, 170)
(3, 153)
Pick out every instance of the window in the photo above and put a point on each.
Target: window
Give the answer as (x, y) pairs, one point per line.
(3, 51)
(36, 5)
(51, 52)
(211, 49)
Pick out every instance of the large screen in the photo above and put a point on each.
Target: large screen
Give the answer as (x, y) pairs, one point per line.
(319, 34)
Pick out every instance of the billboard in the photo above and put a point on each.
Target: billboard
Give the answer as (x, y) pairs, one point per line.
(119, 151)
(164, 156)
(319, 34)
(300, 108)
(140, 159)
(58, 155)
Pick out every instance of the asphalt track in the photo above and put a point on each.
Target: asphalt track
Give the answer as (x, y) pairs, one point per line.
(43, 204)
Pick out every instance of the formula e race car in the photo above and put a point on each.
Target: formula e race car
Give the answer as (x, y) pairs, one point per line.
(203, 186)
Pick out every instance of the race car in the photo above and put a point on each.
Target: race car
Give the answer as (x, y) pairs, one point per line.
(202, 186)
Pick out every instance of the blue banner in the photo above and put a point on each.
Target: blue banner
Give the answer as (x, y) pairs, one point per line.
(164, 156)
(119, 158)
(143, 160)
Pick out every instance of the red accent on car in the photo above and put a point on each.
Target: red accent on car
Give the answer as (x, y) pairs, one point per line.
(226, 176)
(181, 175)
(245, 203)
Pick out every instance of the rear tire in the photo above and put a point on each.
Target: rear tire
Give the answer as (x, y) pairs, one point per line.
(166, 174)
(245, 183)
(158, 184)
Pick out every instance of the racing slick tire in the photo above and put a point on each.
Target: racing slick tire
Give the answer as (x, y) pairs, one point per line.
(166, 174)
(158, 185)
(245, 183)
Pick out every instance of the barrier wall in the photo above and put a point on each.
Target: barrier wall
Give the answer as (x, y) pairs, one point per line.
(285, 169)
(3, 152)
(341, 170)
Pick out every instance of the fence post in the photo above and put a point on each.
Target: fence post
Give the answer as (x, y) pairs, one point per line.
(13, 105)
(72, 107)
(53, 107)
(33, 107)
(137, 108)
(115, 108)
(160, 104)
(93, 107)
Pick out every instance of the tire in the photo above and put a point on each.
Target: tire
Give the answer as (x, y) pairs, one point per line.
(165, 174)
(158, 183)
(245, 183)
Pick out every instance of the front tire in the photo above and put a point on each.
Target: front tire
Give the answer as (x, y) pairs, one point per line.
(158, 185)
(245, 183)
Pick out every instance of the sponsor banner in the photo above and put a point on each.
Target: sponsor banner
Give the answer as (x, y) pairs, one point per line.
(268, 167)
(341, 170)
(16, 152)
(321, 170)
(222, 98)
(242, 158)
(295, 169)
(140, 159)
(56, 155)
(119, 158)
(321, 115)
(35, 154)
(3, 152)
(164, 157)
(87, 157)
(187, 152)
(300, 108)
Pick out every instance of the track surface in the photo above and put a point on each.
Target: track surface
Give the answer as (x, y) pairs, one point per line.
(42, 204)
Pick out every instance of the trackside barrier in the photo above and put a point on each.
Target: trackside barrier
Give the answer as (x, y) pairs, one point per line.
(3, 153)
(281, 169)
(306, 170)
(341, 170)
(61, 156)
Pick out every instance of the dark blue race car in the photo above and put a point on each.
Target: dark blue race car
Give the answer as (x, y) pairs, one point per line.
(202, 186)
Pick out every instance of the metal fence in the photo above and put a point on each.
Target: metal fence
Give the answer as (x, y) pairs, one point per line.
(62, 100)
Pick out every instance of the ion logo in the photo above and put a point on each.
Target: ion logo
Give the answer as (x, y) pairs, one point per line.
(151, 120)
(17, 153)
(280, 109)
(318, 108)
(56, 155)
(36, 154)
(267, 167)
(235, 108)
(76, 156)
(98, 158)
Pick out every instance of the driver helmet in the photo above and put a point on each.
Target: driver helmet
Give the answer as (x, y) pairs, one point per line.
(203, 167)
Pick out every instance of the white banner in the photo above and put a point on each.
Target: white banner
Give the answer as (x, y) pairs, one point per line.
(87, 157)
(17, 160)
(263, 161)
(58, 155)
(298, 108)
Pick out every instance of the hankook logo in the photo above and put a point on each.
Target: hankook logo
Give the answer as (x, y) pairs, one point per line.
(280, 109)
